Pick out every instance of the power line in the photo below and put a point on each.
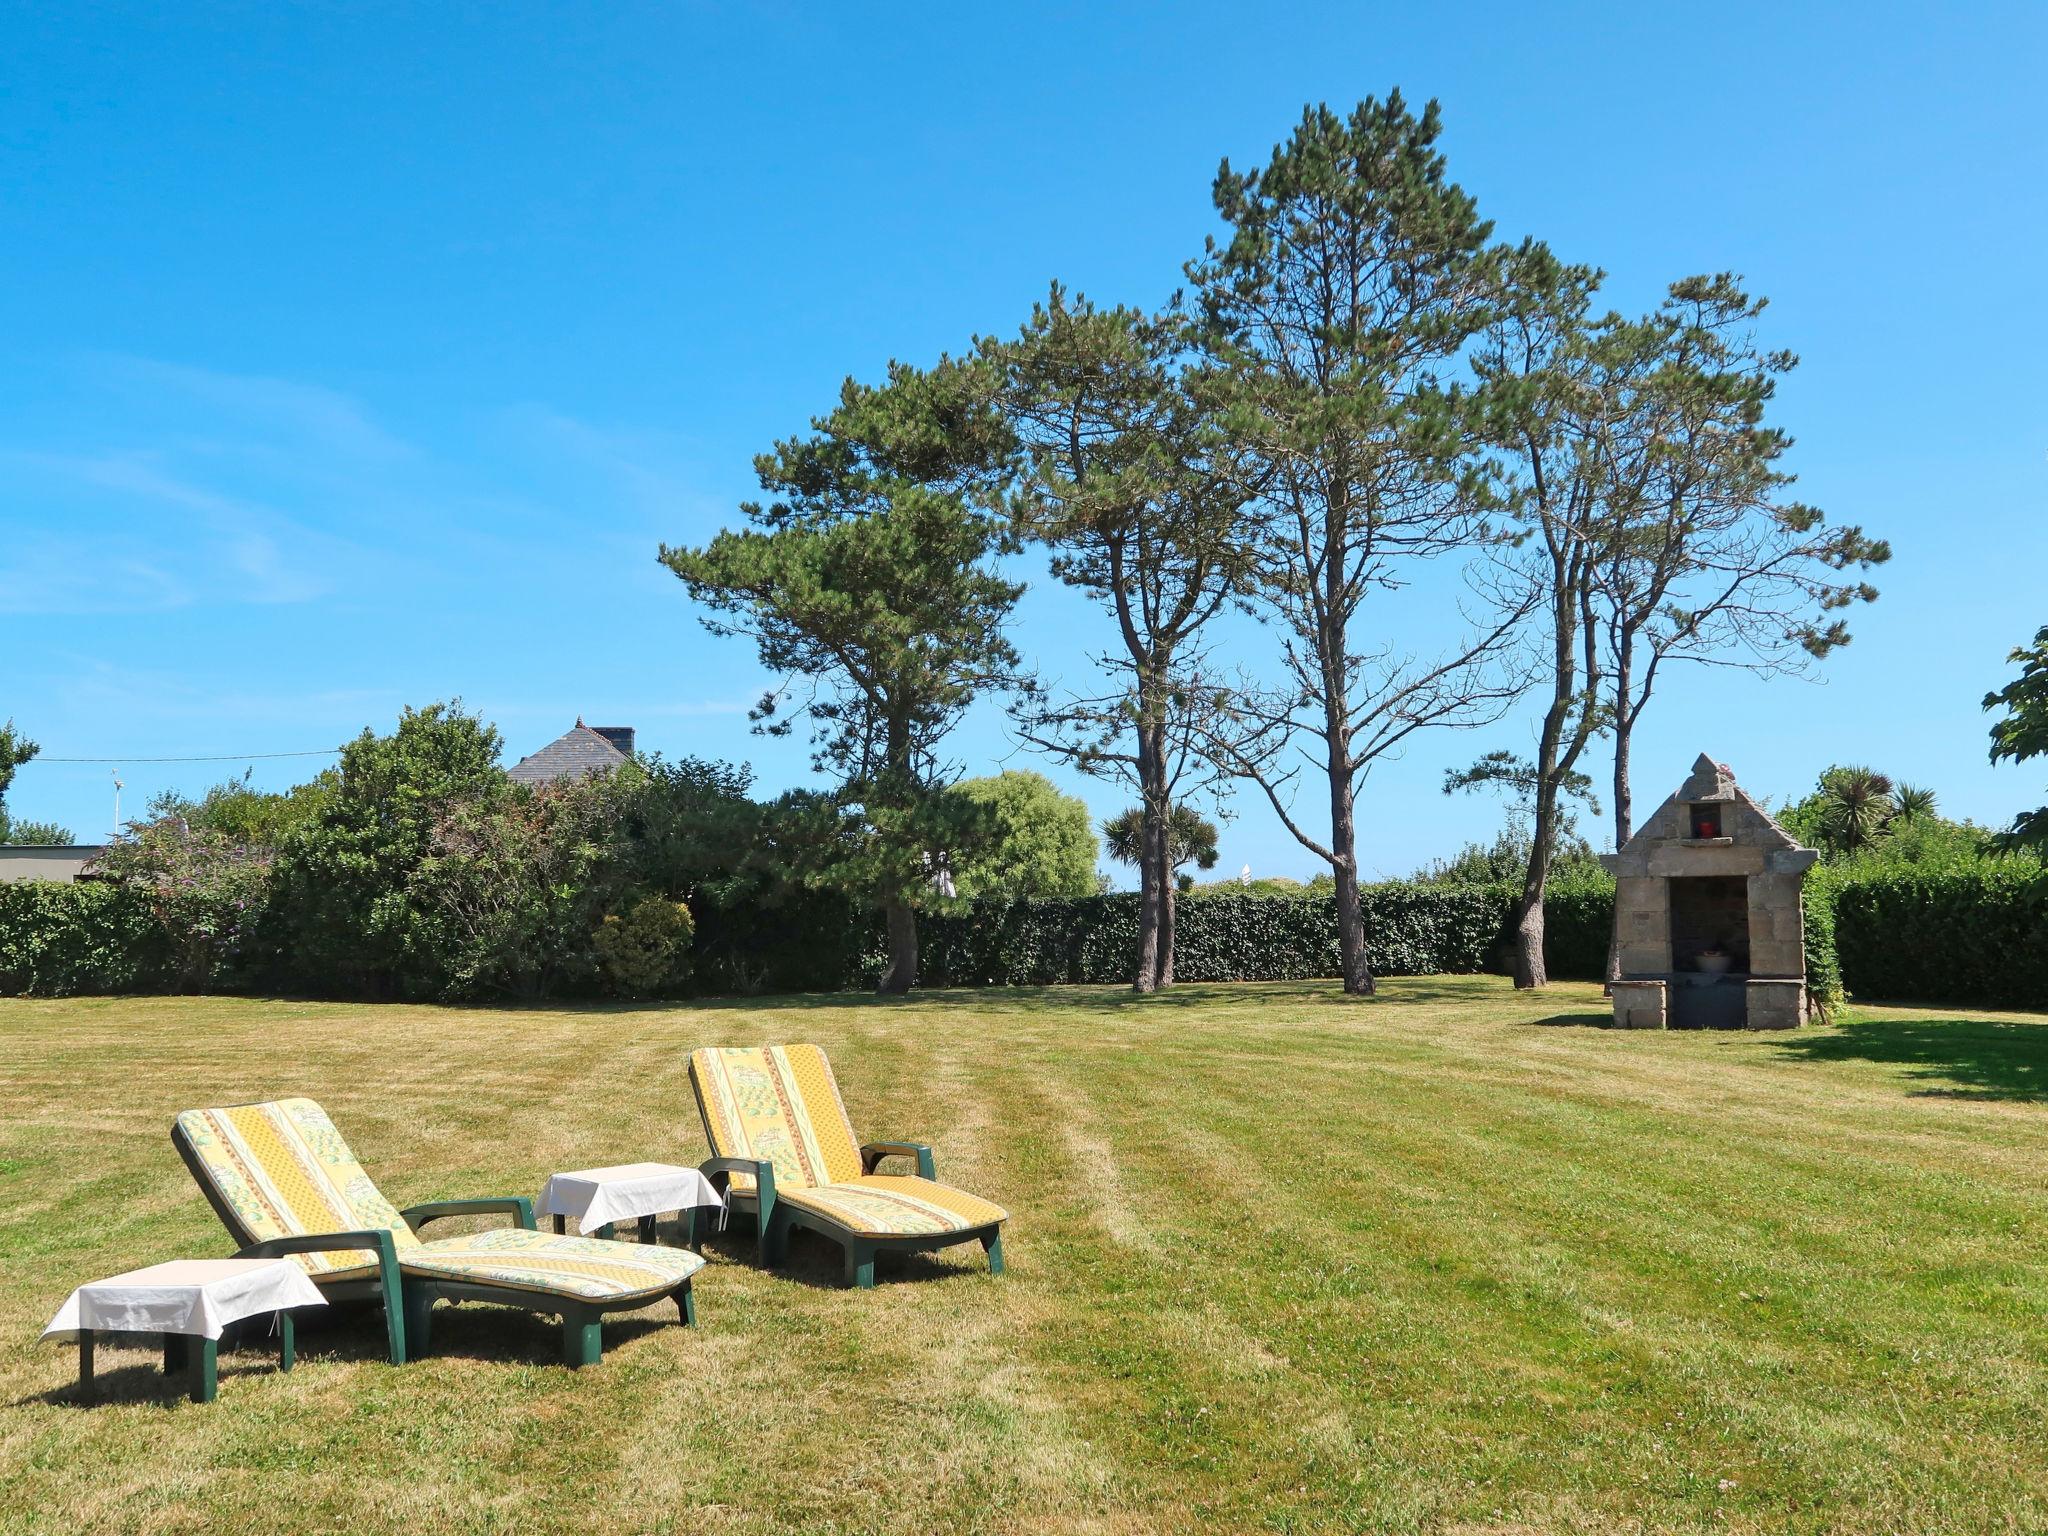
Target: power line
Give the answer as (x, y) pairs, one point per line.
(222, 757)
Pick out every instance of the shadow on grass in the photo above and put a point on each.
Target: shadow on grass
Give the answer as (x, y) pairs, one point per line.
(1575, 1021)
(815, 1260)
(126, 1375)
(1958, 1058)
(1105, 997)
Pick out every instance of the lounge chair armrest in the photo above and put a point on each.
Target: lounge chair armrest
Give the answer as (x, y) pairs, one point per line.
(518, 1207)
(761, 1170)
(763, 1173)
(388, 1280)
(325, 1242)
(873, 1152)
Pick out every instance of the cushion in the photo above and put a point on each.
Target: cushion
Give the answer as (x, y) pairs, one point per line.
(589, 1268)
(883, 1205)
(284, 1171)
(780, 1104)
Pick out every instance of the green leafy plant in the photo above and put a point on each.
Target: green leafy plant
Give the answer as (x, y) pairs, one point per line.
(645, 951)
(2021, 733)
(350, 916)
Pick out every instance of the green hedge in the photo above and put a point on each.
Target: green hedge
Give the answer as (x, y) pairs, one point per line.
(1972, 935)
(1976, 935)
(1415, 930)
(59, 940)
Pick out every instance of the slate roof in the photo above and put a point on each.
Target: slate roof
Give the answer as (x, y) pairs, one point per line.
(576, 753)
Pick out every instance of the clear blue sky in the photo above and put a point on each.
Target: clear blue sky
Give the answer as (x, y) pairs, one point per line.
(361, 356)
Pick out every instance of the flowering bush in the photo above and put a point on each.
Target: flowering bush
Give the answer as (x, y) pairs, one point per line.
(206, 895)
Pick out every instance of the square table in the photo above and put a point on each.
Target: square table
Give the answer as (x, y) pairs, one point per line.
(183, 1300)
(600, 1197)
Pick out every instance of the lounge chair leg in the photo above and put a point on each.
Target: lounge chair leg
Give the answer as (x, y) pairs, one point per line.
(992, 1245)
(419, 1321)
(686, 1303)
(206, 1377)
(774, 1243)
(287, 1342)
(394, 1316)
(860, 1266)
(582, 1338)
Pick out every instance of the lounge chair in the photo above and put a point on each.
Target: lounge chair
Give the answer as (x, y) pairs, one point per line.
(783, 1145)
(284, 1182)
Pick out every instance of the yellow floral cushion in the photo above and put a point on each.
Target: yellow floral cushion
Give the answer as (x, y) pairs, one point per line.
(882, 1205)
(591, 1268)
(284, 1171)
(777, 1103)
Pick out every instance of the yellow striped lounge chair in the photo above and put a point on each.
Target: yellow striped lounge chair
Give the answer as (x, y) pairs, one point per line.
(284, 1182)
(782, 1143)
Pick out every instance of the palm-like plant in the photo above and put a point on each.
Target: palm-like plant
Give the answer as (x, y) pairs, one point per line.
(1190, 838)
(1910, 801)
(1857, 807)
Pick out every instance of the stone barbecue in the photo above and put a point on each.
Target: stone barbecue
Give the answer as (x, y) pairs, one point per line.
(1708, 925)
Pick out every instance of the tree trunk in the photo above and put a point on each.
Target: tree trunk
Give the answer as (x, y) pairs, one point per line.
(1351, 935)
(1150, 918)
(1624, 802)
(1155, 872)
(1169, 905)
(901, 974)
(1528, 914)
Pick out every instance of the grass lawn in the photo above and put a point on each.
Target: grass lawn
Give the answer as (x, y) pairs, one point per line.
(1449, 1260)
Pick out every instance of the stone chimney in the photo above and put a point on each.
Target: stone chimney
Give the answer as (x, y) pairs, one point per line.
(620, 736)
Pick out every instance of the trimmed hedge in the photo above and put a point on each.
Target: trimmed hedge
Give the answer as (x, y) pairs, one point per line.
(1971, 935)
(1974, 935)
(1416, 930)
(60, 940)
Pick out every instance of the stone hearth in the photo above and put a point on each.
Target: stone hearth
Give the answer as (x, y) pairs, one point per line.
(1707, 913)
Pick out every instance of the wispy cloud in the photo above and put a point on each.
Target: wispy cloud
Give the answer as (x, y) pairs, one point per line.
(651, 469)
(67, 576)
(308, 413)
(266, 557)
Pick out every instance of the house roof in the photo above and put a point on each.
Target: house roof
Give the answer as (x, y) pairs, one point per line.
(577, 753)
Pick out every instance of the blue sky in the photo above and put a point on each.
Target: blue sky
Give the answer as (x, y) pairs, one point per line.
(357, 357)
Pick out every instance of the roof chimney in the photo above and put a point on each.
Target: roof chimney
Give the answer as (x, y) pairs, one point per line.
(620, 736)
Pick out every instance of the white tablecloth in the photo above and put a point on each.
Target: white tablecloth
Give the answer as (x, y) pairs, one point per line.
(597, 1196)
(195, 1296)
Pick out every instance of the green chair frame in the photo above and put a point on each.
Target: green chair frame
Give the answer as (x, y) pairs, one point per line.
(408, 1300)
(774, 1219)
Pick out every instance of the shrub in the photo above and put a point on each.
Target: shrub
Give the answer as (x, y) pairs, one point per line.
(347, 911)
(205, 894)
(61, 940)
(645, 952)
(1578, 922)
(1031, 840)
(504, 902)
(1823, 963)
(1967, 935)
